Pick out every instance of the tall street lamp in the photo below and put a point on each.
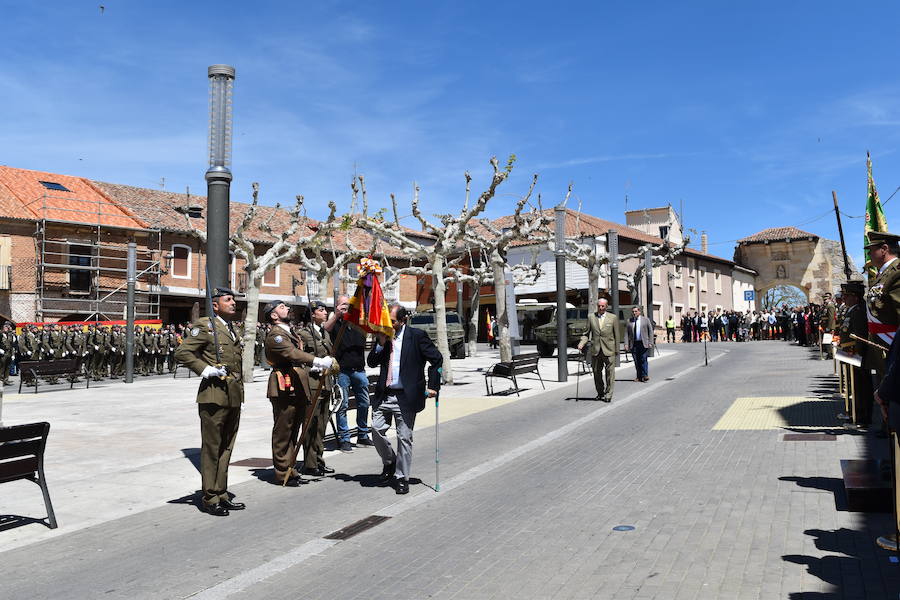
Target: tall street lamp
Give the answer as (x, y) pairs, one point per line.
(218, 176)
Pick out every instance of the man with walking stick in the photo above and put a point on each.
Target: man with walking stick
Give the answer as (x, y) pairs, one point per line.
(401, 392)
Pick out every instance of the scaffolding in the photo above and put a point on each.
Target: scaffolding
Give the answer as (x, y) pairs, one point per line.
(82, 250)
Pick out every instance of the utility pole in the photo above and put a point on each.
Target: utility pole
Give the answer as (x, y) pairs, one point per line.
(612, 246)
(130, 274)
(562, 345)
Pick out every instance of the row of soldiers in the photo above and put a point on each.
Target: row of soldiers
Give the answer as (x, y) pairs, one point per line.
(865, 321)
(100, 349)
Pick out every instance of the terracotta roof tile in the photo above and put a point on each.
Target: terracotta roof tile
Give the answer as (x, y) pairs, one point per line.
(23, 196)
(775, 234)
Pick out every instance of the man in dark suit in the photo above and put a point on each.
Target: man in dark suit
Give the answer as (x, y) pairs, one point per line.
(639, 342)
(401, 393)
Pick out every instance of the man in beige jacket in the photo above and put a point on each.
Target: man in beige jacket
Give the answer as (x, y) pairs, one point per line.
(603, 335)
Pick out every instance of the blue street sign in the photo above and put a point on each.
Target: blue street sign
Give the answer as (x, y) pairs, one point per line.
(749, 295)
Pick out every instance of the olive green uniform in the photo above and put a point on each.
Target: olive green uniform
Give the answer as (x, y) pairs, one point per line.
(218, 401)
(288, 391)
(855, 323)
(883, 302)
(314, 444)
(7, 350)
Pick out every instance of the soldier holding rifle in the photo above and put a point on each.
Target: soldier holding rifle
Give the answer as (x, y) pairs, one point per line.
(213, 351)
(288, 389)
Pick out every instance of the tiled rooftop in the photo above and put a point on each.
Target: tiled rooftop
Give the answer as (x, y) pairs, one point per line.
(775, 234)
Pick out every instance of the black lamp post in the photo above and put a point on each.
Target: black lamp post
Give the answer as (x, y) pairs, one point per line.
(218, 176)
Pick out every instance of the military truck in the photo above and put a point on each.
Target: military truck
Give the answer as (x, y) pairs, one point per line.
(577, 323)
(456, 336)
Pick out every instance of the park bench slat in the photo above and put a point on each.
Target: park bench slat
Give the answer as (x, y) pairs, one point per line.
(21, 448)
(18, 469)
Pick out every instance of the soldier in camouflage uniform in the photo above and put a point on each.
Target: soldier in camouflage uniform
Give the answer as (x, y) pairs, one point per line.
(100, 344)
(7, 350)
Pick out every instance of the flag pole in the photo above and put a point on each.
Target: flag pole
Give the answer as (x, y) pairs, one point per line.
(837, 214)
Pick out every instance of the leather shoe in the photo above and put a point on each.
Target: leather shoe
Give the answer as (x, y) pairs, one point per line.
(228, 504)
(364, 442)
(314, 471)
(607, 400)
(325, 470)
(387, 473)
(217, 510)
(646, 379)
(293, 481)
(402, 486)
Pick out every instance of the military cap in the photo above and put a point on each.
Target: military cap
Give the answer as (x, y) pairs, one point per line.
(876, 238)
(222, 291)
(267, 310)
(854, 287)
(316, 305)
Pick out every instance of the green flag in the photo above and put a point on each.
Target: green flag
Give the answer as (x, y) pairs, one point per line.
(875, 220)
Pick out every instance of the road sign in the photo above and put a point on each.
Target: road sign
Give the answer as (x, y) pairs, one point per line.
(749, 295)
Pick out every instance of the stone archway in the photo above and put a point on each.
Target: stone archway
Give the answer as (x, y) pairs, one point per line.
(789, 256)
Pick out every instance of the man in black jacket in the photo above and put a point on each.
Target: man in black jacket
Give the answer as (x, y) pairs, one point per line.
(401, 393)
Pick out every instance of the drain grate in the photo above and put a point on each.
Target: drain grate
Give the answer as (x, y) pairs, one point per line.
(809, 437)
(350, 530)
(259, 463)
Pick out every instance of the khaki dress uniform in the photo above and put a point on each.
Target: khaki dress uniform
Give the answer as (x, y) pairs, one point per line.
(318, 345)
(100, 345)
(218, 401)
(855, 322)
(288, 391)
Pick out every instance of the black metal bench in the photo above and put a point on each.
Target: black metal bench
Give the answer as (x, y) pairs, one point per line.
(521, 364)
(351, 405)
(32, 370)
(22, 457)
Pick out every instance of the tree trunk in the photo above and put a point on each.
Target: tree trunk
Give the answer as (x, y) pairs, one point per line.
(323, 287)
(440, 315)
(498, 265)
(473, 322)
(250, 322)
(593, 284)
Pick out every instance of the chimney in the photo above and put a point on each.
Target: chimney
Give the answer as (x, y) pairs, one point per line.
(704, 242)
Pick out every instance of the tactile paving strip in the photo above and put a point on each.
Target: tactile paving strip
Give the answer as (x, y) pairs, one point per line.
(781, 412)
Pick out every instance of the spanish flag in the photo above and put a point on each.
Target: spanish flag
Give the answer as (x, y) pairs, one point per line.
(490, 331)
(368, 307)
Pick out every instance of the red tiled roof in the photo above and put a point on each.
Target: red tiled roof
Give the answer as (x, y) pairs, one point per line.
(775, 234)
(22, 196)
(581, 224)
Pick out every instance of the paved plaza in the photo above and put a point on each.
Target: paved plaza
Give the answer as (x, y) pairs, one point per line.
(683, 487)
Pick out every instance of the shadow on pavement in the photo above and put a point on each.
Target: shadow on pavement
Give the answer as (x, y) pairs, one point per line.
(854, 566)
(193, 455)
(8, 522)
(369, 480)
(827, 484)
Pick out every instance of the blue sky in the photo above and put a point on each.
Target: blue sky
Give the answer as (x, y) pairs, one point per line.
(748, 113)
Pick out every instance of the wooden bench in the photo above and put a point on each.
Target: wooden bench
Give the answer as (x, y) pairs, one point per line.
(351, 405)
(32, 370)
(22, 457)
(521, 364)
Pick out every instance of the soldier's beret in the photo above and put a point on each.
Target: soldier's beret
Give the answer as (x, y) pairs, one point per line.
(222, 291)
(876, 238)
(316, 305)
(854, 287)
(267, 310)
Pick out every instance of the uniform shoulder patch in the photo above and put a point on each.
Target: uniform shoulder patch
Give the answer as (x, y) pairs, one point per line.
(278, 339)
(195, 331)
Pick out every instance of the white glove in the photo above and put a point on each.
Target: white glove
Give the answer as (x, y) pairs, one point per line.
(322, 364)
(211, 371)
(2, 352)
(96, 347)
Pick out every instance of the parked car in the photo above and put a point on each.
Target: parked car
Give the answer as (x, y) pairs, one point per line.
(456, 336)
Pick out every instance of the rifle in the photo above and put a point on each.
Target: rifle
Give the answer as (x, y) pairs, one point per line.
(873, 344)
(210, 314)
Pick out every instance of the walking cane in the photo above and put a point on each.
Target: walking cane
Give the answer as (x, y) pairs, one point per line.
(437, 446)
